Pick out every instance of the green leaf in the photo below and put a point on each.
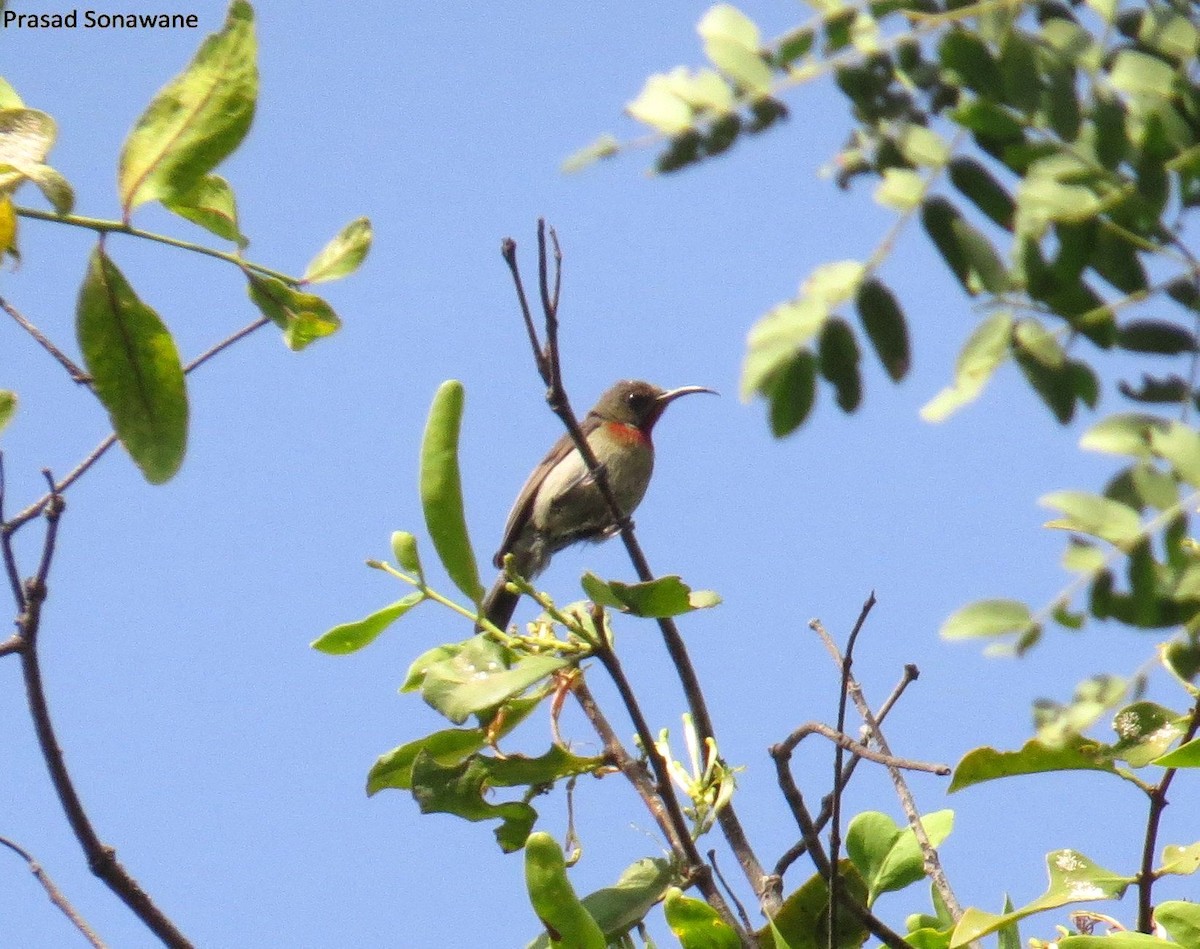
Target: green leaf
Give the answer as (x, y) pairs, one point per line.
(1076, 753)
(605, 146)
(777, 339)
(923, 147)
(1032, 338)
(449, 747)
(1182, 861)
(350, 637)
(837, 359)
(803, 920)
(696, 924)
(8, 407)
(303, 317)
(460, 790)
(210, 203)
(9, 99)
(1041, 199)
(888, 856)
(1180, 446)
(618, 908)
(900, 189)
(792, 390)
(1073, 878)
(404, 549)
(659, 106)
(969, 62)
(135, 369)
(197, 119)
(1180, 919)
(884, 323)
(1115, 259)
(1145, 730)
(967, 253)
(1092, 514)
(655, 599)
(553, 898)
(1186, 755)
(56, 189)
(343, 254)
(26, 137)
(831, 284)
(981, 355)
(1142, 74)
(1155, 336)
(1125, 434)
(978, 186)
(731, 42)
(441, 490)
(515, 770)
(481, 675)
(987, 618)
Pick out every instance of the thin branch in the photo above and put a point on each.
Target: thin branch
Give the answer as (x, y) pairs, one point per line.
(933, 865)
(633, 769)
(102, 859)
(549, 367)
(695, 865)
(76, 374)
(55, 894)
(844, 741)
(782, 754)
(6, 548)
(741, 910)
(793, 853)
(36, 508)
(835, 813)
(102, 227)
(1158, 802)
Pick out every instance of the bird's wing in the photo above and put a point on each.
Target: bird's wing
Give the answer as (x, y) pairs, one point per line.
(518, 517)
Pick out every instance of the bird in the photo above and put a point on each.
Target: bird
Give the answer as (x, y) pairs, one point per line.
(561, 504)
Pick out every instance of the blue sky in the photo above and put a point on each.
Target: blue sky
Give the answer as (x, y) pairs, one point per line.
(225, 759)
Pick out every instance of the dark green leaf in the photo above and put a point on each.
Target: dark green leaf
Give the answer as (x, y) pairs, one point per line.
(441, 490)
(459, 790)
(135, 369)
(967, 253)
(883, 321)
(1022, 82)
(662, 597)
(1155, 336)
(350, 637)
(8, 407)
(1116, 260)
(803, 920)
(969, 62)
(977, 185)
(481, 675)
(838, 358)
(1145, 730)
(792, 389)
(520, 771)
(197, 119)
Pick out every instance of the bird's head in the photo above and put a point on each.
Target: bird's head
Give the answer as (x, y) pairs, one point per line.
(633, 402)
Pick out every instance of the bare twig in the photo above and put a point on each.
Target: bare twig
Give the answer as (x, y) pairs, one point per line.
(549, 367)
(1158, 802)
(36, 508)
(6, 549)
(55, 894)
(695, 865)
(793, 853)
(102, 859)
(741, 910)
(933, 865)
(860, 750)
(76, 374)
(782, 754)
(835, 813)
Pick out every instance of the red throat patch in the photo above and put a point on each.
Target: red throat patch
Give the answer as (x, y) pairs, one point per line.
(626, 434)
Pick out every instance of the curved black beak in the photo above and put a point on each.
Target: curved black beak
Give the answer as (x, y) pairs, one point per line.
(672, 394)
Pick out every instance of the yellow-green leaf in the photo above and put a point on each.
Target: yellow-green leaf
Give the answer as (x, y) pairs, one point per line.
(342, 255)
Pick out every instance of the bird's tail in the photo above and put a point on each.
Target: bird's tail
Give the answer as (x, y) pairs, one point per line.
(500, 603)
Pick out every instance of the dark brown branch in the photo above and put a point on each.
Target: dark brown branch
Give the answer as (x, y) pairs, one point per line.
(102, 859)
(860, 750)
(793, 853)
(782, 755)
(635, 771)
(55, 894)
(549, 367)
(1158, 802)
(933, 864)
(99, 451)
(696, 868)
(741, 910)
(6, 549)
(76, 374)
